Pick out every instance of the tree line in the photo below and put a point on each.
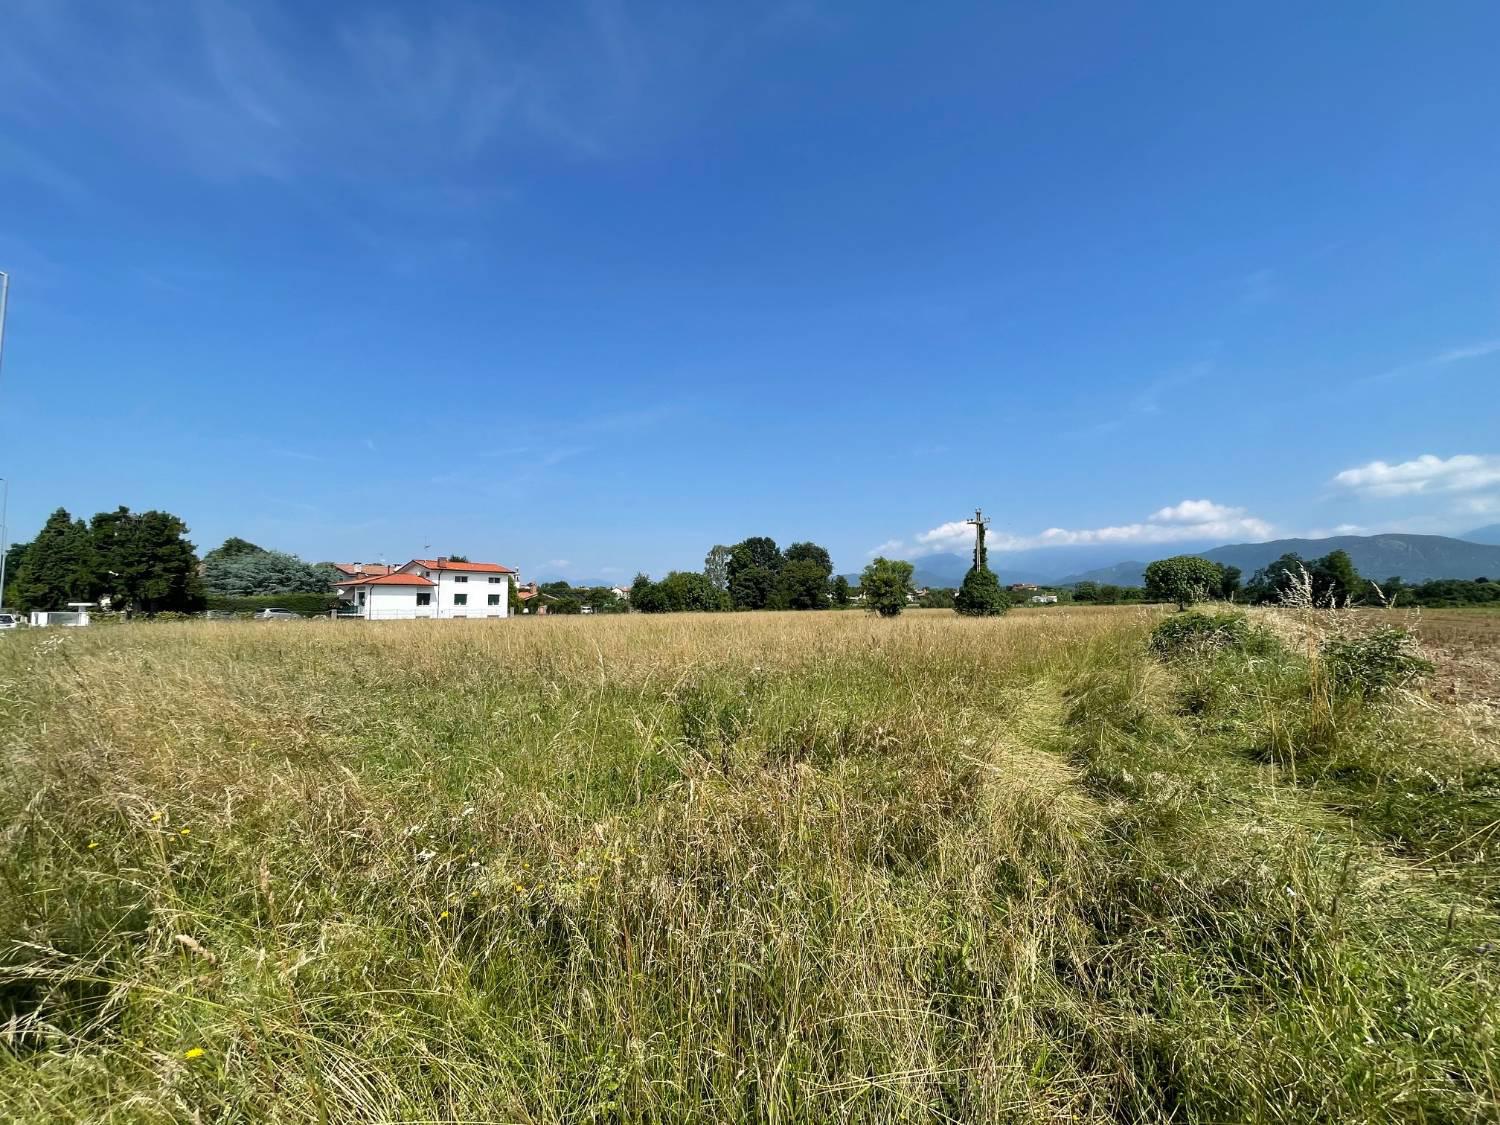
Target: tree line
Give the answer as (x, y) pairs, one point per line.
(752, 574)
(755, 573)
(143, 563)
(1331, 580)
(139, 562)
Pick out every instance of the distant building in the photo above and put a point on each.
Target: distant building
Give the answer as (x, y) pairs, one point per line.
(1043, 599)
(436, 588)
(1023, 586)
(362, 570)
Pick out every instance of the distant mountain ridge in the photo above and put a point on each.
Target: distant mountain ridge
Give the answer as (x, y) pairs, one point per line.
(1490, 533)
(1415, 558)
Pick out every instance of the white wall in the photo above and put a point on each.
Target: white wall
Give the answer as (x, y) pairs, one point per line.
(397, 603)
(477, 589)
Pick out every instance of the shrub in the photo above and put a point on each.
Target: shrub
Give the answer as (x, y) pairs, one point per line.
(1376, 662)
(886, 582)
(980, 595)
(1195, 632)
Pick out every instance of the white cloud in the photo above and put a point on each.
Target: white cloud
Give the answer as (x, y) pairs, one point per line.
(1463, 472)
(1194, 511)
(1189, 520)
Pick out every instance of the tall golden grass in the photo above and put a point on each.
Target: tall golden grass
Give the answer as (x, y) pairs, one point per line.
(729, 867)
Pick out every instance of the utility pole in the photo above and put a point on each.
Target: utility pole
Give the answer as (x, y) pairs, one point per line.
(5, 500)
(980, 523)
(4, 504)
(4, 294)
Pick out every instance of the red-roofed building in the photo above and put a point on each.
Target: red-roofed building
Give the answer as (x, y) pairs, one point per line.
(362, 570)
(440, 588)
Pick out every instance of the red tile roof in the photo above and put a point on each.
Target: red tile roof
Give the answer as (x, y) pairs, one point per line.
(449, 564)
(365, 570)
(390, 580)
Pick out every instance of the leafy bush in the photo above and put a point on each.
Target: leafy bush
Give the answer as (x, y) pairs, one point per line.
(1376, 662)
(886, 582)
(1196, 632)
(980, 595)
(309, 605)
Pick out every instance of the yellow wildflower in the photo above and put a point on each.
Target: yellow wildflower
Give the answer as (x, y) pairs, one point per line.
(156, 818)
(93, 844)
(443, 915)
(185, 832)
(193, 1053)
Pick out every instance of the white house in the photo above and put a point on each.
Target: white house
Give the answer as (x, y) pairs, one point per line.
(431, 588)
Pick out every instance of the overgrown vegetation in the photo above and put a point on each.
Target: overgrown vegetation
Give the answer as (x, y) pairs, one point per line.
(751, 867)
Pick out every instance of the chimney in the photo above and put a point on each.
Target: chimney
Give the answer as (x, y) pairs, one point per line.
(442, 559)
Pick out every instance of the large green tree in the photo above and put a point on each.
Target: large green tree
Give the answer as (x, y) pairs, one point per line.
(1333, 580)
(264, 572)
(886, 583)
(802, 584)
(754, 566)
(803, 581)
(59, 566)
(231, 548)
(1183, 579)
(145, 561)
(839, 590)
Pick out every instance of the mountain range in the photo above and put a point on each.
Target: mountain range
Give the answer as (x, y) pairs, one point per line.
(1415, 558)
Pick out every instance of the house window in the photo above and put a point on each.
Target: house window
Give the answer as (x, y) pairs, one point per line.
(460, 599)
(361, 597)
(496, 581)
(424, 597)
(460, 578)
(494, 599)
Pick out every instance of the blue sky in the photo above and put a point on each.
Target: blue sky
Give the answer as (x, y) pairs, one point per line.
(589, 287)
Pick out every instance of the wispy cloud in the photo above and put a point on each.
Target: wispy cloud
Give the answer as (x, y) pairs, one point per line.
(1149, 398)
(1463, 472)
(253, 91)
(1442, 359)
(1187, 521)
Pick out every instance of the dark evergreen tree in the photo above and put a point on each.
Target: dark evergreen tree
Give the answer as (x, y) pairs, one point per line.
(146, 564)
(840, 591)
(58, 567)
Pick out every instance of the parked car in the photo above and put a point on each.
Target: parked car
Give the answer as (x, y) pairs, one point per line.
(10, 621)
(278, 615)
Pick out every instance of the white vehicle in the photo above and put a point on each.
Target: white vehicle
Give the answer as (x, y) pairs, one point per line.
(10, 621)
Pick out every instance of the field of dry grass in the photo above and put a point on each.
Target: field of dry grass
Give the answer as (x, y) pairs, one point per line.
(742, 867)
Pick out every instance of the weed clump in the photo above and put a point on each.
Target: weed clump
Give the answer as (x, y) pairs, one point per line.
(1374, 663)
(1196, 634)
